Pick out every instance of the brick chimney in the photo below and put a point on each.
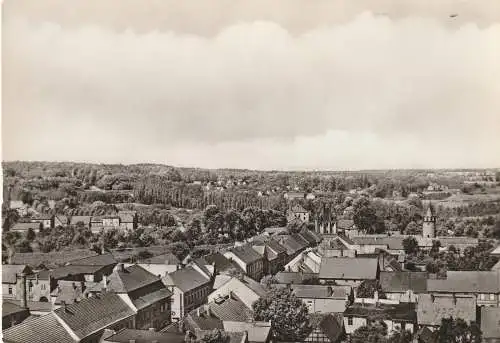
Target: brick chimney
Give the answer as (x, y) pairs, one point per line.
(120, 267)
(24, 297)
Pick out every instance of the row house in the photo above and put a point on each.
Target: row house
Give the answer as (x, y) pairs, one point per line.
(123, 220)
(248, 260)
(308, 261)
(348, 271)
(13, 277)
(274, 255)
(159, 265)
(370, 244)
(483, 285)
(190, 289)
(144, 293)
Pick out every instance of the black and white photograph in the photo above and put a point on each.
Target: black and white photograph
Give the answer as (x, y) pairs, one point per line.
(250, 171)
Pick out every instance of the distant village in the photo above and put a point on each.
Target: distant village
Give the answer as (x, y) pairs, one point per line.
(343, 279)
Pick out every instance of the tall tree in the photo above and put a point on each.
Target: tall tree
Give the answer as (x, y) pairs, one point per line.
(457, 330)
(287, 313)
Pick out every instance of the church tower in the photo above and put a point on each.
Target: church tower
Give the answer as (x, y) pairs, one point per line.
(429, 225)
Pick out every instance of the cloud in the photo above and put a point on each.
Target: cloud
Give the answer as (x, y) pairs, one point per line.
(368, 93)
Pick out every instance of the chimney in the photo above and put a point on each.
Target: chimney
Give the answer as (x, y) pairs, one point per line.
(104, 281)
(375, 296)
(63, 304)
(24, 298)
(11, 253)
(120, 267)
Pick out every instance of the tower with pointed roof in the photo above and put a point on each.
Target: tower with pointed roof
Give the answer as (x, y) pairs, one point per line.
(429, 225)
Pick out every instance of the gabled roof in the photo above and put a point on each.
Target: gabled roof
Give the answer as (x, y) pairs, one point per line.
(293, 244)
(348, 268)
(51, 259)
(25, 226)
(490, 322)
(145, 336)
(130, 279)
(38, 330)
(67, 293)
(94, 314)
(308, 237)
(298, 209)
(84, 219)
(403, 281)
(393, 243)
(432, 309)
(329, 324)
(319, 291)
(127, 216)
(204, 321)
(294, 277)
(258, 332)
(10, 308)
(66, 271)
(222, 264)
(185, 279)
(230, 309)
(63, 219)
(11, 271)
(168, 258)
(246, 254)
(466, 282)
(345, 224)
(402, 311)
(97, 260)
(152, 297)
(276, 247)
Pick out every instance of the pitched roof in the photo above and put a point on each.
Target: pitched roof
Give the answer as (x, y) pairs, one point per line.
(84, 219)
(292, 245)
(62, 219)
(348, 268)
(298, 209)
(11, 271)
(432, 309)
(276, 247)
(403, 281)
(9, 308)
(490, 322)
(15, 204)
(97, 260)
(204, 321)
(222, 264)
(276, 230)
(151, 297)
(66, 271)
(319, 291)
(67, 293)
(466, 282)
(393, 243)
(51, 259)
(145, 336)
(329, 324)
(311, 236)
(130, 279)
(167, 258)
(229, 308)
(258, 332)
(345, 223)
(94, 314)
(127, 216)
(402, 311)
(38, 330)
(246, 254)
(41, 306)
(25, 226)
(294, 277)
(185, 279)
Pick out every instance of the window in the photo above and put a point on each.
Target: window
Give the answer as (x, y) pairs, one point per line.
(492, 296)
(42, 287)
(10, 289)
(349, 320)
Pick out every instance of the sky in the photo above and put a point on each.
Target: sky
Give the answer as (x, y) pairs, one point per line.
(282, 84)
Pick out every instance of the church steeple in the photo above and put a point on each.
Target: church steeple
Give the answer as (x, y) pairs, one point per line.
(429, 224)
